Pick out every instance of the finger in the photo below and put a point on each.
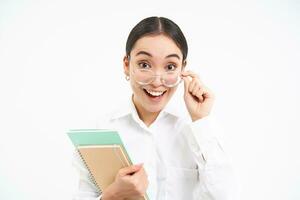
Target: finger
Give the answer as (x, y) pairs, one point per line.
(190, 73)
(199, 83)
(207, 93)
(192, 85)
(199, 95)
(196, 85)
(141, 173)
(197, 92)
(129, 170)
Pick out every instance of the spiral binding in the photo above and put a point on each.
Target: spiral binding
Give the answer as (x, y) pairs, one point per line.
(90, 172)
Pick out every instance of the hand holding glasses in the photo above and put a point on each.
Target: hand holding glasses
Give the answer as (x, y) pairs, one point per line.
(198, 98)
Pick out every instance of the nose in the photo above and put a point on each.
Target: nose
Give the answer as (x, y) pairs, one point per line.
(156, 81)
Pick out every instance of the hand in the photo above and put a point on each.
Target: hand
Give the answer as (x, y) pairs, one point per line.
(130, 182)
(198, 98)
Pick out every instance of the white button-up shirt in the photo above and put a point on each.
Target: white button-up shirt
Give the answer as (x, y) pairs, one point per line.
(183, 159)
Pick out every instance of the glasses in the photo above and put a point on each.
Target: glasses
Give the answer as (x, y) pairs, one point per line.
(146, 77)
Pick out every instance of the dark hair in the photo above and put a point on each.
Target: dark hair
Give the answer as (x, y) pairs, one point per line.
(157, 25)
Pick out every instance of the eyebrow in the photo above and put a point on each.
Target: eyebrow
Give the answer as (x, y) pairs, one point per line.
(148, 54)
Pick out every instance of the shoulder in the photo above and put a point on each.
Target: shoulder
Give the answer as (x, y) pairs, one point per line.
(106, 119)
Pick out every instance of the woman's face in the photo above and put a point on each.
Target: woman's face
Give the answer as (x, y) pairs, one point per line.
(160, 54)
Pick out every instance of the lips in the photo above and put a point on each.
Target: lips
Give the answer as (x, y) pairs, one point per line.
(153, 93)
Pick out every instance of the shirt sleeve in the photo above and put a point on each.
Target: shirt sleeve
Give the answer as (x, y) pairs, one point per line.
(216, 176)
(86, 190)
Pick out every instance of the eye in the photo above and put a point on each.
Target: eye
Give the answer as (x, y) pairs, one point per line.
(171, 67)
(144, 65)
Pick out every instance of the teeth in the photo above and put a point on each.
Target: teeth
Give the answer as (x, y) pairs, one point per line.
(154, 93)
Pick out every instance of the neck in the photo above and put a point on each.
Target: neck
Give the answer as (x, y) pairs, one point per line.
(147, 117)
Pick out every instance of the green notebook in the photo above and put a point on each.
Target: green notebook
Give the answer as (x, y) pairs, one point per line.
(103, 153)
(85, 137)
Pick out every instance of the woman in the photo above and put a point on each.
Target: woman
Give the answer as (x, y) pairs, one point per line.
(179, 158)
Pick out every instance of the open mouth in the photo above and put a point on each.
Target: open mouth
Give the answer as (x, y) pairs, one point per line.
(154, 94)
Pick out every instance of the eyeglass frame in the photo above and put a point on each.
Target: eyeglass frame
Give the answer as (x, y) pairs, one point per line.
(157, 75)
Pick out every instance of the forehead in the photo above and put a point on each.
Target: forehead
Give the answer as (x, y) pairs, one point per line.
(157, 45)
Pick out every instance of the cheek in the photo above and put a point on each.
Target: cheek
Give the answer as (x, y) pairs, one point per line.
(135, 87)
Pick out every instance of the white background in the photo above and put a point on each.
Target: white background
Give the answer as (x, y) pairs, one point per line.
(61, 67)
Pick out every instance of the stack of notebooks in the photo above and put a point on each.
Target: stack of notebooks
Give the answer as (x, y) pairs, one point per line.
(103, 153)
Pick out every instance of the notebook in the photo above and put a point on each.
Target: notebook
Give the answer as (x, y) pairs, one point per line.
(103, 153)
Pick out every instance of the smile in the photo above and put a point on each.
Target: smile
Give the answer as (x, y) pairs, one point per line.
(154, 93)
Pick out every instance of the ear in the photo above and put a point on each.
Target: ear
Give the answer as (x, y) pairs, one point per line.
(183, 65)
(126, 65)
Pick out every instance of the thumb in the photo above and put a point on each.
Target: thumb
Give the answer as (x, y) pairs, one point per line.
(129, 170)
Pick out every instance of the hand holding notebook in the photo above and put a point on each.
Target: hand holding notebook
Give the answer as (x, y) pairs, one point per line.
(130, 181)
(109, 165)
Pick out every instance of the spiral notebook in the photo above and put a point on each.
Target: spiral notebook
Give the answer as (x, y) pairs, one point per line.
(103, 153)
